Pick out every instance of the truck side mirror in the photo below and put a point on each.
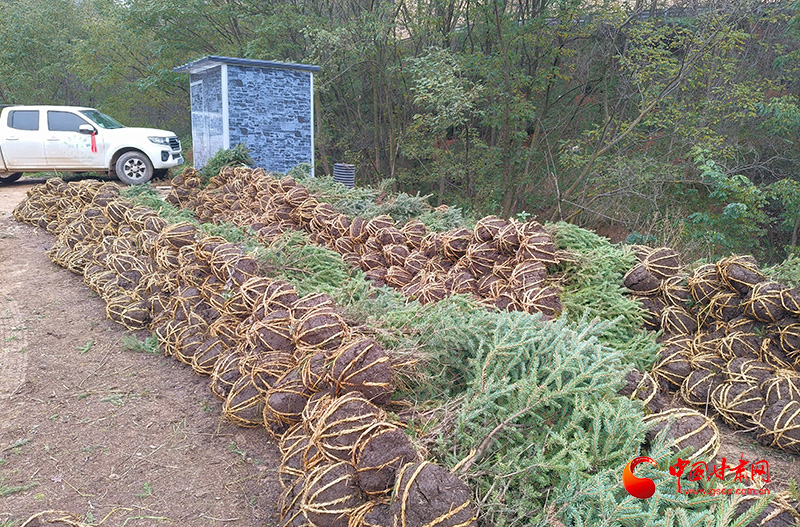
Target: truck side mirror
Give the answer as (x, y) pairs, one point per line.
(86, 129)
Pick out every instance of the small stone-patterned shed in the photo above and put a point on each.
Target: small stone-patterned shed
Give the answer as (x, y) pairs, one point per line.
(269, 106)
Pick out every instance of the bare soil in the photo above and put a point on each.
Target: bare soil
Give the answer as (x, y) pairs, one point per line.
(108, 434)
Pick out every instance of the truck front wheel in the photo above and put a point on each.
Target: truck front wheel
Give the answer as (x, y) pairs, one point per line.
(134, 168)
(10, 178)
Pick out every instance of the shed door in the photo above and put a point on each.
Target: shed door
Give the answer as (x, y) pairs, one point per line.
(199, 123)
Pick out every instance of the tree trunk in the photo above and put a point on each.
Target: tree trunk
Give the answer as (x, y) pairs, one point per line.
(320, 145)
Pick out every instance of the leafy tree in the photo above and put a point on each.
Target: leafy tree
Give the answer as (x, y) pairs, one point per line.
(734, 217)
(37, 54)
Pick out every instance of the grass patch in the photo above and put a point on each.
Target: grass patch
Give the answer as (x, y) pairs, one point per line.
(8, 491)
(147, 491)
(15, 446)
(86, 347)
(148, 345)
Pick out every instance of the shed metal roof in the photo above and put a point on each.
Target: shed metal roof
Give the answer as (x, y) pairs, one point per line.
(214, 60)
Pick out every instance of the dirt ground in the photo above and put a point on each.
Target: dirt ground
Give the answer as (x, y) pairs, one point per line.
(109, 434)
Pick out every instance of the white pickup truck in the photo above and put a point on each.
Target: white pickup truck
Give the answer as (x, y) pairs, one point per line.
(78, 139)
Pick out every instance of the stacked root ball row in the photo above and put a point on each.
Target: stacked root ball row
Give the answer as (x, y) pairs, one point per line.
(502, 263)
(288, 363)
(731, 341)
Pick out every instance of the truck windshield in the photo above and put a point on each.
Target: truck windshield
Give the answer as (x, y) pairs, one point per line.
(102, 120)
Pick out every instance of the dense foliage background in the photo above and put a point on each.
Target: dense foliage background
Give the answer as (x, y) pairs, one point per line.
(674, 123)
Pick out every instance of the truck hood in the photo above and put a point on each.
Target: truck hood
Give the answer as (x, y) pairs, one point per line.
(143, 131)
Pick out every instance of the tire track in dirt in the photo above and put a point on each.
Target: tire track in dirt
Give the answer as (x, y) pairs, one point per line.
(13, 350)
(13, 337)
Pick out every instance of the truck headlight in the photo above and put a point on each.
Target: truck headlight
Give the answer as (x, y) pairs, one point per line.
(159, 140)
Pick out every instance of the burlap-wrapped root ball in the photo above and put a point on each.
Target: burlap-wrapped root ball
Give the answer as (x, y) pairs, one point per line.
(739, 273)
(704, 283)
(374, 513)
(427, 494)
(764, 302)
(751, 371)
(698, 386)
(311, 301)
(725, 306)
(785, 385)
(640, 386)
(273, 332)
(244, 403)
(207, 356)
(363, 366)
(653, 307)
(342, 423)
(379, 453)
(641, 281)
(780, 426)
(738, 403)
(299, 458)
(414, 231)
(226, 373)
(686, 429)
(284, 402)
(676, 320)
(321, 328)
(455, 244)
(675, 291)
(673, 365)
(738, 344)
(331, 495)
(662, 263)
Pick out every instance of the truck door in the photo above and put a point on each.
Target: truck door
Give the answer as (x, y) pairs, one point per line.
(22, 144)
(65, 147)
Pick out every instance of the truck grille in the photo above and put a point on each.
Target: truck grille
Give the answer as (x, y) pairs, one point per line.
(174, 143)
